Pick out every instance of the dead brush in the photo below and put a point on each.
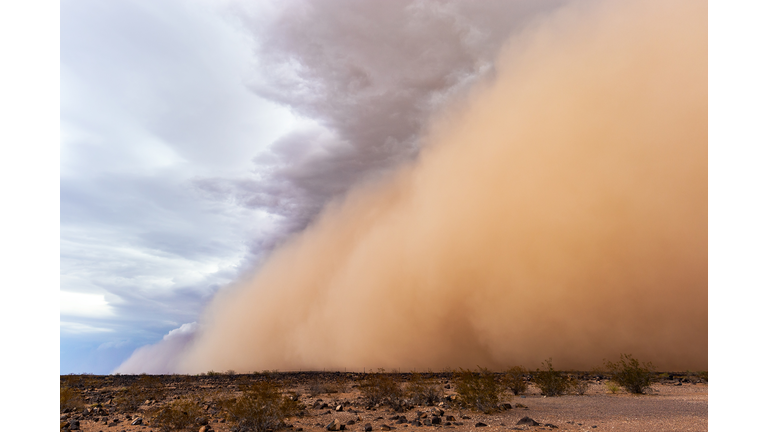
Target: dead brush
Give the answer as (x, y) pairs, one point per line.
(515, 379)
(178, 415)
(382, 388)
(423, 391)
(578, 386)
(629, 373)
(261, 407)
(479, 390)
(319, 386)
(70, 398)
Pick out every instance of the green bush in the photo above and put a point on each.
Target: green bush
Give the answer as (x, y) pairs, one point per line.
(382, 388)
(478, 390)
(422, 391)
(629, 373)
(261, 407)
(611, 387)
(550, 381)
(177, 415)
(514, 379)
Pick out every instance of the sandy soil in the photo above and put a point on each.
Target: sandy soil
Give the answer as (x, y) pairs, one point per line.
(670, 406)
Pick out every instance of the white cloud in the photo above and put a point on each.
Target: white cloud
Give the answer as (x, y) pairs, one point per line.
(84, 305)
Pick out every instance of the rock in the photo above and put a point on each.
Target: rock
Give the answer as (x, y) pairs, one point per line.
(137, 421)
(402, 420)
(201, 421)
(436, 420)
(550, 425)
(339, 408)
(415, 423)
(334, 425)
(368, 427)
(480, 424)
(465, 417)
(519, 405)
(505, 406)
(350, 422)
(74, 425)
(205, 428)
(385, 427)
(450, 418)
(528, 422)
(459, 423)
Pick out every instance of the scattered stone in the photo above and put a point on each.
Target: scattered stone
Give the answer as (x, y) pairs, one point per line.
(550, 425)
(201, 421)
(519, 405)
(137, 421)
(386, 427)
(350, 422)
(450, 418)
(334, 425)
(528, 422)
(436, 420)
(368, 427)
(505, 406)
(466, 417)
(339, 408)
(204, 428)
(480, 424)
(459, 423)
(415, 422)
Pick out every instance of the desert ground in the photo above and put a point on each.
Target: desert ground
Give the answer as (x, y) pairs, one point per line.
(334, 401)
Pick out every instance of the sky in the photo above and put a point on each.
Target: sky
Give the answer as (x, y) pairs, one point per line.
(198, 135)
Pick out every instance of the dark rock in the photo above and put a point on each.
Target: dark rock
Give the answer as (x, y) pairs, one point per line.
(519, 405)
(339, 408)
(505, 406)
(201, 421)
(351, 422)
(137, 421)
(386, 427)
(368, 427)
(528, 422)
(415, 422)
(436, 420)
(459, 423)
(480, 424)
(466, 417)
(450, 418)
(333, 426)
(550, 425)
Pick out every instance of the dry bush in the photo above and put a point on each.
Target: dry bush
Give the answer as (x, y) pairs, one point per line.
(478, 390)
(70, 398)
(612, 387)
(319, 386)
(422, 391)
(147, 387)
(550, 381)
(579, 386)
(178, 415)
(261, 407)
(514, 379)
(629, 373)
(382, 388)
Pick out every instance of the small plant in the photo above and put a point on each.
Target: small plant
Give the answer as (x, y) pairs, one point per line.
(69, 398)
(422, 391)
(550, 381)
(612, 387)
(578, 386)
(381, 388)
(178, 415)
(515, 380)
(261, 407)
(478, 390)
(629, 373)
(318, 386)
(704, 376)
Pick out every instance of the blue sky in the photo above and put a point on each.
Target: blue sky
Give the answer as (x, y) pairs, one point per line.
(197, 135)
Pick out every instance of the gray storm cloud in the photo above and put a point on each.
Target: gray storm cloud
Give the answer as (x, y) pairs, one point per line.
(559, 210)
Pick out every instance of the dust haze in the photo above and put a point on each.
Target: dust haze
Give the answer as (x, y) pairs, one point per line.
(559, 210)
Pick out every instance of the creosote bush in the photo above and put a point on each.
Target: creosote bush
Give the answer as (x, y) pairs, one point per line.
(382, 388)
(550, 381)
(578, 386)
(478, 390)
(177, 415)
(629, 373)
(514, 379)
(261, 407)
(423, 391)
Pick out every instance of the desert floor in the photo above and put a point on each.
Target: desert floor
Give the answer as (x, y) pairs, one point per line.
(675, 404)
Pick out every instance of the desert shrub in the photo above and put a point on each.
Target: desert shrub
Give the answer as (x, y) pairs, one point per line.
(422, 391)
(177, 415)
(319, 386)
(382, 388)
(70, 398)
(478, 390)
(612, 387)
(704, 376)
(147, 387)
(629, 373)
(578, 386)
(261, 407)
(550, 381)
(514, 379)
